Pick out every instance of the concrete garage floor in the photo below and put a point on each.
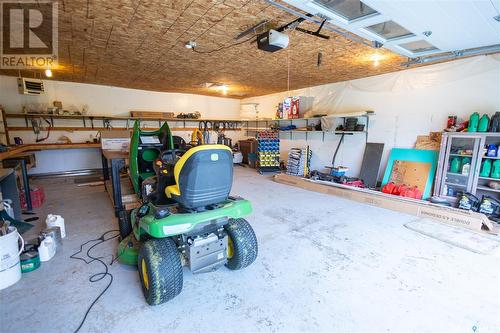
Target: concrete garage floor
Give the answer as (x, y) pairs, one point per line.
(325, 264)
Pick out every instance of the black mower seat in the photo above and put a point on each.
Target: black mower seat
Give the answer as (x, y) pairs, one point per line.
(203, 176)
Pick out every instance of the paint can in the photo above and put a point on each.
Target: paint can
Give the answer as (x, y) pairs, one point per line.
(30, 260)
(10, 267)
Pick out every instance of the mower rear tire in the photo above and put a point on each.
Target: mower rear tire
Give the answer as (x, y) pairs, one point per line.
(242, 247)
(160, 270)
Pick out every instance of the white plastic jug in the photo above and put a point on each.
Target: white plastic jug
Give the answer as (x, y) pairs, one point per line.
(10, 266)
(7, 205)
(47, 249)
(56, 221)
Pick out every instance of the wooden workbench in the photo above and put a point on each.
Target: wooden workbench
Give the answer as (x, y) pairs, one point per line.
(129, 198)
(112, 154)
(12, 152)
(120, 190)
(16, 152)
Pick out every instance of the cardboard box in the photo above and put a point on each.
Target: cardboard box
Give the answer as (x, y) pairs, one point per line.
(248, 147)
(429, 142)
(115, 140)
(295, 107)
(449, 215)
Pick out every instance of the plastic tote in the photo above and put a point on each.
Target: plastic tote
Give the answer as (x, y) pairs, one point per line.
(10, 266)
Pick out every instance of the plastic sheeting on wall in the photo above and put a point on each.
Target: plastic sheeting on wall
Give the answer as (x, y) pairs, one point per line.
(329, 98)
(406, 103)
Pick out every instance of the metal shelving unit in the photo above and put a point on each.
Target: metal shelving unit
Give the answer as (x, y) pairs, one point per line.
(278, 122)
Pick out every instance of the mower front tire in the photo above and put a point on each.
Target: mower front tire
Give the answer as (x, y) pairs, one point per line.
(242, 244)
(160, 270)
(125, 223)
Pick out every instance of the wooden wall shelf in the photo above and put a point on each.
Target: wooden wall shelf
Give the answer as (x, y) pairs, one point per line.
(89, 122)
(101, 117)
(91, 129)
(15, 150)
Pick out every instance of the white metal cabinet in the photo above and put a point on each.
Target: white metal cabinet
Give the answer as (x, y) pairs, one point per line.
(449, 184)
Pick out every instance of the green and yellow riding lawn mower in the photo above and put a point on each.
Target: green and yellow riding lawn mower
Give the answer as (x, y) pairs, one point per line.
(187, 217)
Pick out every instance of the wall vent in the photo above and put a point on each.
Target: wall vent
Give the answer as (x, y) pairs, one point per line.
(30, 86)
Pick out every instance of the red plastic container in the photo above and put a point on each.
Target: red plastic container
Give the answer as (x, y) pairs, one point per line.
(37, 197)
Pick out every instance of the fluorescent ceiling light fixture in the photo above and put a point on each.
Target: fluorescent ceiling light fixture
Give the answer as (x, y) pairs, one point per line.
(389, 30)
(349, 9)
(418, 46)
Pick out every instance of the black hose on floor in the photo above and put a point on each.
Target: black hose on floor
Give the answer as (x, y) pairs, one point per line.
(98, 276)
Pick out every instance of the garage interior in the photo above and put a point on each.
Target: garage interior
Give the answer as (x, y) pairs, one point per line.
(253, 165)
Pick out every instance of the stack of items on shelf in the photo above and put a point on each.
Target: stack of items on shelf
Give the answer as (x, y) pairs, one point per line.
(484, 123)
(294, 107)
(489, 178)
(490, 167)
(351, 125)
(298, 162)
(461, 164)
(476, 123)
(268, 150)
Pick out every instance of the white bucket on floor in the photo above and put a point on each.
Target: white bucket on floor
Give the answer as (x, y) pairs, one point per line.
(10, 267)
(56, 221)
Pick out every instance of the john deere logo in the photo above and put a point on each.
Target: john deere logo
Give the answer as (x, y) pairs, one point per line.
(29, 34)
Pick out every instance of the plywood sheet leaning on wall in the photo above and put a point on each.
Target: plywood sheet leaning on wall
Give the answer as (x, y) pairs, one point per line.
(413, 155)
(371, 164)
(414, 174)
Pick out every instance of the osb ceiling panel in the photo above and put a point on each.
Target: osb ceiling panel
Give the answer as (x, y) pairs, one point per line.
(140, 44)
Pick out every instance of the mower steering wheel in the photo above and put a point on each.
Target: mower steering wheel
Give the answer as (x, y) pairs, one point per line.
(171, 155)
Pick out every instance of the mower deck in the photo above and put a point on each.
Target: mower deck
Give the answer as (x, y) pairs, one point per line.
(174, 224)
